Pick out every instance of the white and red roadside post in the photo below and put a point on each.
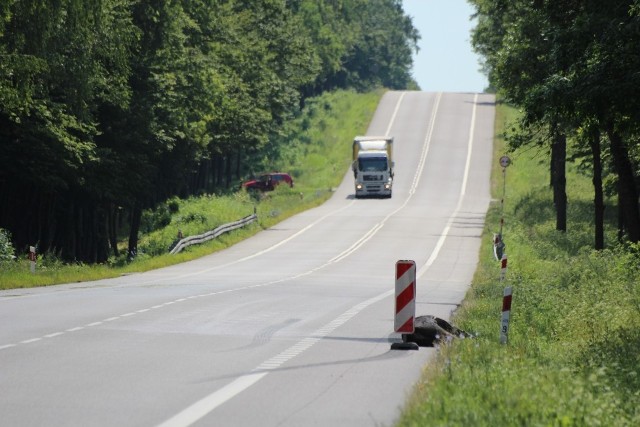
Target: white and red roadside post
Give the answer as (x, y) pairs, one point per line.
(405, 303)
(32, 258)
(503, 269)
(506, 314)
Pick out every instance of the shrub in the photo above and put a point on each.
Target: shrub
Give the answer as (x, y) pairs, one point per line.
(173, 205)
(157, 218)
(7, 252)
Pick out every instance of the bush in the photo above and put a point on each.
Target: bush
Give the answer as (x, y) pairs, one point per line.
(7, 252)
(157, 218)
(154, 247)
(173, 204)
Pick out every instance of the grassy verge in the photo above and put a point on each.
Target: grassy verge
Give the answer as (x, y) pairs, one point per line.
(317, 153)
(574, 339)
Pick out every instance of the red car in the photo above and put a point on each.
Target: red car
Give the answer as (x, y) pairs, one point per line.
(268, 181)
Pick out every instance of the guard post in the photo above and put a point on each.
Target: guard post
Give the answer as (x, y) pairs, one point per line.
(32, 258)
(506, 314)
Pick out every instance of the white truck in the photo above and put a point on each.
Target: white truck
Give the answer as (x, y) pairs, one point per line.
(373, 165)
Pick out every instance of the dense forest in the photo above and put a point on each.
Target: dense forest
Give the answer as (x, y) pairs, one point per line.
(109, 107)
(573, 69)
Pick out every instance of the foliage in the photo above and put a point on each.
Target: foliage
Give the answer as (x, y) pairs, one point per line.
(361, 44)
(7, 253)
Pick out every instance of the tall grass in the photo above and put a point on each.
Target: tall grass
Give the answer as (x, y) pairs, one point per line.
(574, 341)
(315, 149)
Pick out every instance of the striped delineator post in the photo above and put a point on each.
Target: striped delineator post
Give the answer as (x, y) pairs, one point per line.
(506, 313)
(405, 306)
(503, 270)
(405, 297)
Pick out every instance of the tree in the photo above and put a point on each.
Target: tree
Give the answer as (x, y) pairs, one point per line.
(603, 40)
(523, 32)
(60, 66)
(382, 51)
(571, 65)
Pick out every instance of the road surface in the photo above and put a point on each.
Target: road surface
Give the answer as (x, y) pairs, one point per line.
(289, 328)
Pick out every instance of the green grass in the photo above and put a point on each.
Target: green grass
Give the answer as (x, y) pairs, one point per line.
(317, 153)
(574, 339)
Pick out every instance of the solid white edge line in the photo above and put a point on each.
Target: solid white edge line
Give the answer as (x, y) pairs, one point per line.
(447, 228)
(425, 146)
(472, 129)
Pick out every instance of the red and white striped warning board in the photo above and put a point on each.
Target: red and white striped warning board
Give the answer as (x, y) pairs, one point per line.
(405, 296)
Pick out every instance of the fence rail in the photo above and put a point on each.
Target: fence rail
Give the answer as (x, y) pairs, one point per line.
(209, 235)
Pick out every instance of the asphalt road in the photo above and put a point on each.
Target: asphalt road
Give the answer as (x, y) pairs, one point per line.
(289, 328)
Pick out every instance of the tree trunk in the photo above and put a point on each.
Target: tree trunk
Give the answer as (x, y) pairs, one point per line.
(93, 235)
(620, 217)
(627, 189)
(559, 179)
(598, 200)
(551, 171)
(112, 229)
(52, 222)
(102, 237)
(72, 230)
(238, 164)
(227, 171)
(136, 216)
(219, 170)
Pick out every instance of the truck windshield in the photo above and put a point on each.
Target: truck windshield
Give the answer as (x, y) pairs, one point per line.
(372, 164)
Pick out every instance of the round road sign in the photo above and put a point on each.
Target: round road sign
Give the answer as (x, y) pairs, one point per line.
(505, 161)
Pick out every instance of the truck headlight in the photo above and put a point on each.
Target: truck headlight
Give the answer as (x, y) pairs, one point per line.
(387, 186)
(358, 186)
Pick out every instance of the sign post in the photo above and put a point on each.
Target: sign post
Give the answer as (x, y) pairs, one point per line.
(506, 314)
(498, 242)
(405, 303)
(503, 269)
(32, 258)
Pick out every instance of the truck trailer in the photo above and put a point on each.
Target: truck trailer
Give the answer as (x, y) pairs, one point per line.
(373, 166)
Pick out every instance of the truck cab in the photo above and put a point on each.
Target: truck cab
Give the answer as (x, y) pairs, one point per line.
(373, 166)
